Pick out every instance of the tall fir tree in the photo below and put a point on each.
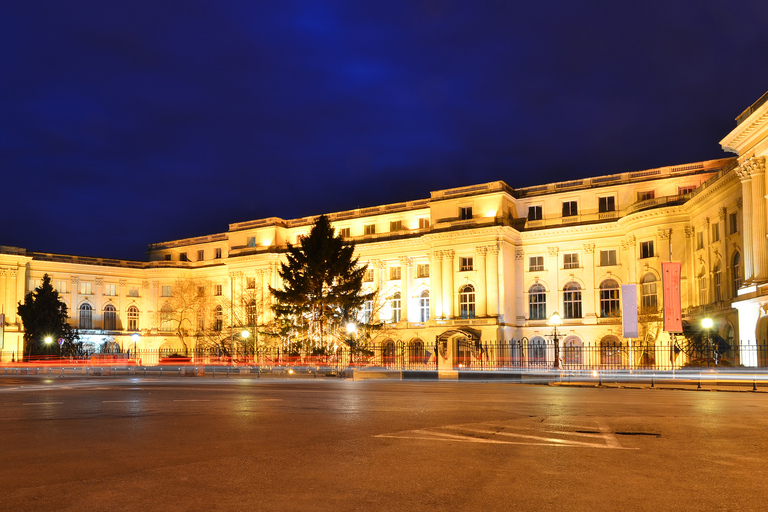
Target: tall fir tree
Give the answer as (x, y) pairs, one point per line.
(44, 315)
(322, 287)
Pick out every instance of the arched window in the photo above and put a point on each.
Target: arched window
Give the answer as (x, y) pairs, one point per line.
(133, 318)
(110, 318)
(394, 305)
(388, 352)
(610, 306)
(416, 352)
(537, 351)
(86, 316)
(572, 351)
(467, 301)
(717, 282)
(702, 282)
(166, 318)
(736, 273)
(251, 313)
(424, 306)
(218, 318)
(367, 312)
(610, 351)
(572, 300)
(537, 302)
(648, 292)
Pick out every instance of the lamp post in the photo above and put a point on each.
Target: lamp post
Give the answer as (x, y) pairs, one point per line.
(48, 340)
(135, 338)
(707, 324)
(554, 321)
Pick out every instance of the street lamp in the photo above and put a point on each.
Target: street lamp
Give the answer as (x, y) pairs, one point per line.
(245, 335)
(554, 321)
(707, 324)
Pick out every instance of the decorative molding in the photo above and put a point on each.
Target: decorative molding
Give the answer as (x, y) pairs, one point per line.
(405, 261)
(552, 251)
(99, 281)
(493, 249)
(436, 255)
(740, 203)
(122, 283)
(589, 248)
(723, 212)
(74, 279)
(665, 234)
(481, 251)
(519, 254)
(755, 165)
(689, 231)
(449, 254)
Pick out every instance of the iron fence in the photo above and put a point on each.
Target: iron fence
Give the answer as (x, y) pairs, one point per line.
(460, 354)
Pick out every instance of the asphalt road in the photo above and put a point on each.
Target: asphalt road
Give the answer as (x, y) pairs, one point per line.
(326, 444)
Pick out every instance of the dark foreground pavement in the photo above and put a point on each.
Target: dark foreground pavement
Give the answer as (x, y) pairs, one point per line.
(328, 444)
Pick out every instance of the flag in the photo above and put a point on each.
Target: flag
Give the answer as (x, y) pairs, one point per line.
(670, 277)
(629, 310)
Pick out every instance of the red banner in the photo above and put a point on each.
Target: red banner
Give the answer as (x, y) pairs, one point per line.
(673, 315)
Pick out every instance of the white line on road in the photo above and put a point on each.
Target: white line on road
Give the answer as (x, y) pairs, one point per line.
(44, 403)
(191, 400)
(119, 401)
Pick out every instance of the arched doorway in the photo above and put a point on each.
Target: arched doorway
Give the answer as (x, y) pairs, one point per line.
(611, 351)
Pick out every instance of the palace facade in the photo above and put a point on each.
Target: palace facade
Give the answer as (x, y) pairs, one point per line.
(487, 259)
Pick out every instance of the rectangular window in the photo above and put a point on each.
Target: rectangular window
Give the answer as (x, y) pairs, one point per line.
(394, 273)
(110, 290)
(166, 290)
(644, 196)
(86, 288)
(686, 190)
(536, 263)
(570, 208)
(183, 256)
(217, 253)
(715, 232)
(201, 255)
(217, 289)
(699, 240)
(422, 270)
(250, 283)
(251, 241)
(606, 204)
(571, 260)
(465, 213)
(32, 284)
(368, 276)
(534, 213)
(133, 291)
(733, 222)
(369, 229)
(62, 286)
(344, 232)
(201, 291)
(607, 258)
(703, 298)
(167, 257)
(396, 225)
(646, 249)
(423, 223)
(466, 264)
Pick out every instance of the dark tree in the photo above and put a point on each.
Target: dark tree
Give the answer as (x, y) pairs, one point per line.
(322, 287)
(45, 315)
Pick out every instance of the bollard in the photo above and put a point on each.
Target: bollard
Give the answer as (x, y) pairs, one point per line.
(179, 372)
(145, 371)
(652, 376)
(601, 380)
(754, 384)
(74, 372)
(49, 372)
(227, 371)
(161, 371)
(214, 372)
(699, 386)
(62, 371)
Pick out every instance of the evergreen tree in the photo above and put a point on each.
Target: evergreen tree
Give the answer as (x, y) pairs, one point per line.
(45, 315)
(322, 288)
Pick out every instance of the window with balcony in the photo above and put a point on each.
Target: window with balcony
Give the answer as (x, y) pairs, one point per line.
(369, 229)
(396, 225)
(466, 264)
(422, 270)
(646, 249)
(607, 258)
(534, 213)
(570, 208)
(250, 283)
(571, 260)
(536, 263)
(606, 204)
(646, 195)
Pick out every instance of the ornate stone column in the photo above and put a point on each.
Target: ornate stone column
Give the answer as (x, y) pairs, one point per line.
(492, 280)
(448, 291)
(759, 242)
(405, 275)
(435, 284)
(746, 193)
(481, 295)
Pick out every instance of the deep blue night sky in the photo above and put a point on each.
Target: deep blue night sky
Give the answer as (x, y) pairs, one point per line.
(128, 123)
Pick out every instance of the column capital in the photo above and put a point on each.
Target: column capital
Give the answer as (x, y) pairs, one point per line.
(493, 249)
(589, 248)
(74, 279)
(519, 254)
(449, 254)
(436, 255)
(755, 165)
(481, 250)
(553, 251)
(405, 261)
(665, 234)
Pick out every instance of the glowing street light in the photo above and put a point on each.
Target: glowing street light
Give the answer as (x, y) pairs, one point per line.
(351, 328)
(554, 321)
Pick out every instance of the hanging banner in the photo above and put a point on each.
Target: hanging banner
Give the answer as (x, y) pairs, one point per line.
(629, 310)
(673, 315)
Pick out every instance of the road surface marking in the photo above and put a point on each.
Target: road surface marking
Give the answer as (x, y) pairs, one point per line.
(191, 400)
(500, 434)
(119, 401)
(44, 403)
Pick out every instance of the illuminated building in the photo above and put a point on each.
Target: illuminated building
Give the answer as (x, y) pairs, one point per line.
(488, 259)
